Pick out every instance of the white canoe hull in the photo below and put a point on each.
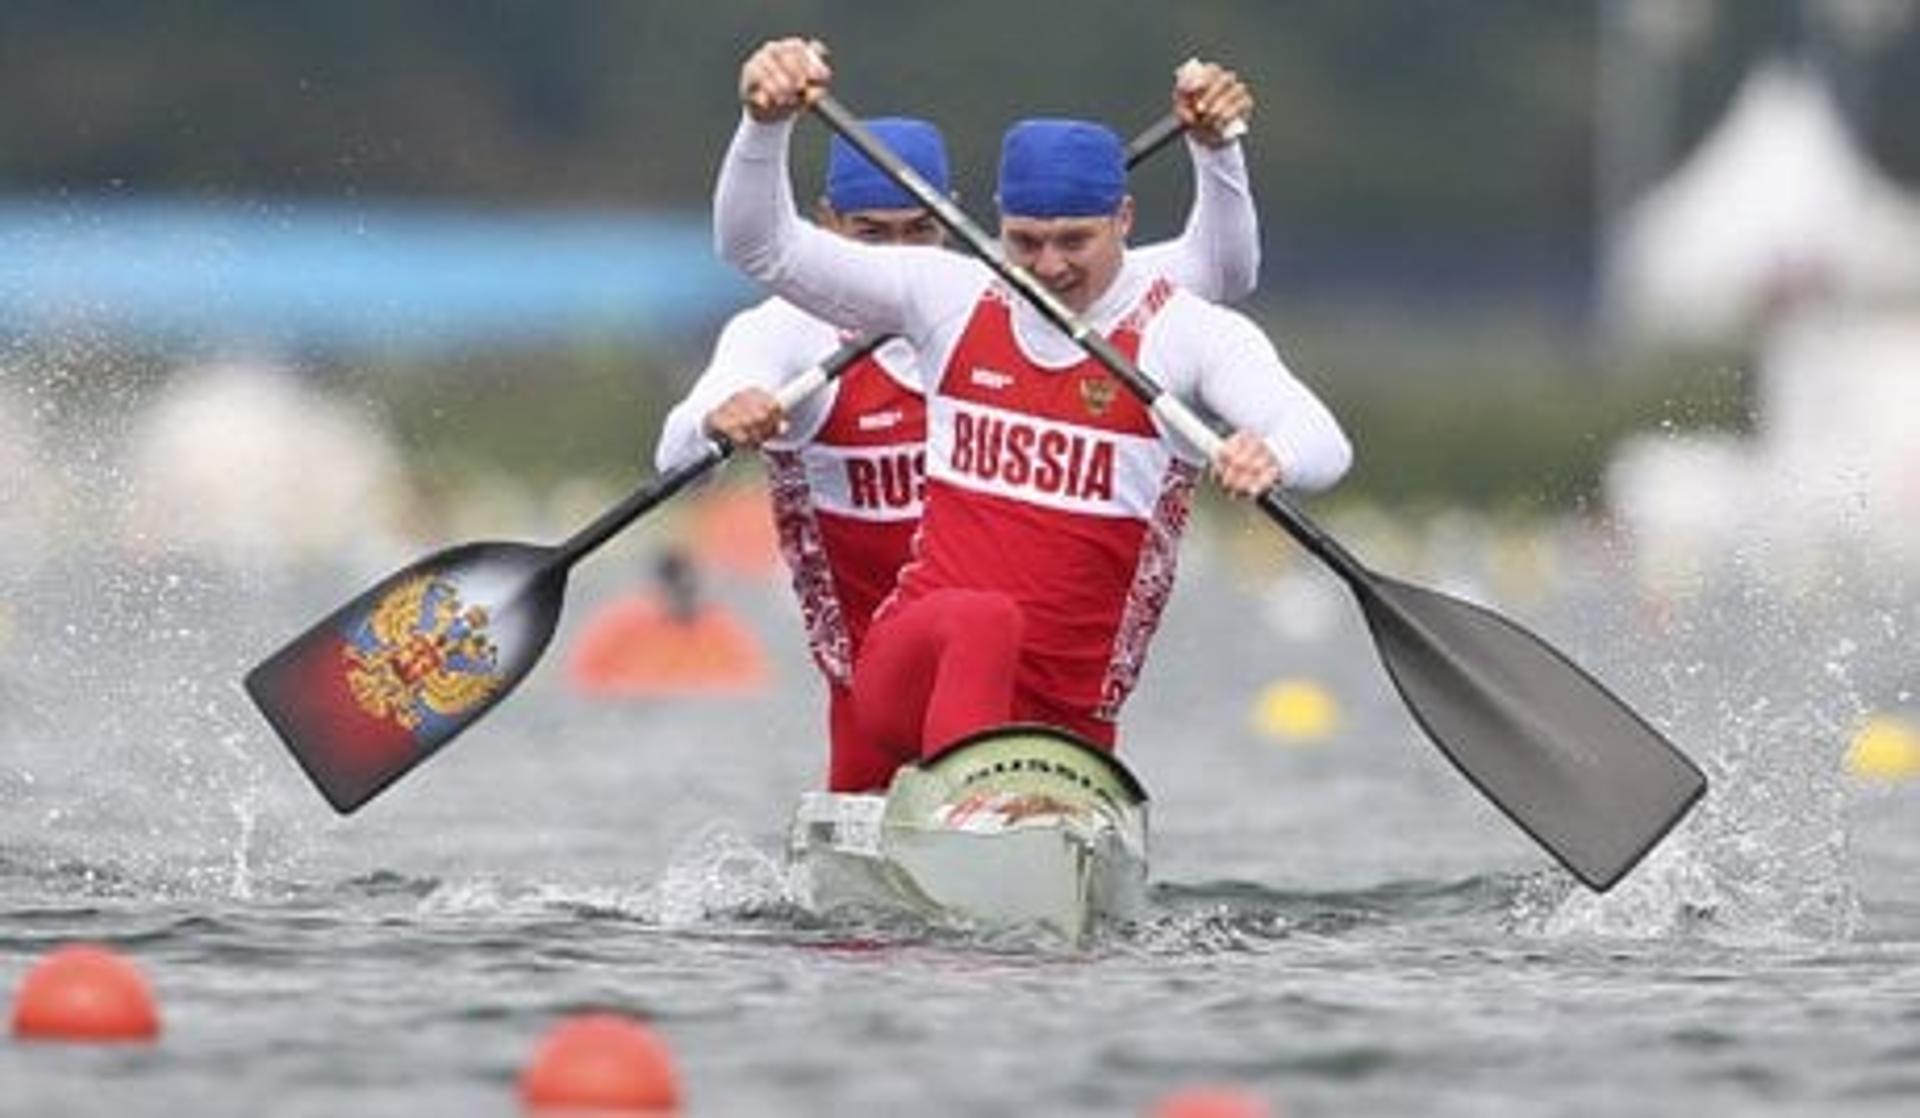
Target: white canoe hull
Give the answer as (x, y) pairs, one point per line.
(1022, 828)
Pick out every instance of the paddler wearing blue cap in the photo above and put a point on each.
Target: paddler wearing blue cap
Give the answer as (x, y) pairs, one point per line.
(1054, 502)
(847, 464)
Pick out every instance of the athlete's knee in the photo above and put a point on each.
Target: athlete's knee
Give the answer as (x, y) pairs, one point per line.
(982, 616)
(865, 768)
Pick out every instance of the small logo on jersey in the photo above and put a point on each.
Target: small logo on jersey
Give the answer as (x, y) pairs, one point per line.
(880, 420)
(1097, 394)
(991, 378)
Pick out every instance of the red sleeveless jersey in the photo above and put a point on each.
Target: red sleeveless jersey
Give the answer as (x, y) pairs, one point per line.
(846, 505)
(1053, 486)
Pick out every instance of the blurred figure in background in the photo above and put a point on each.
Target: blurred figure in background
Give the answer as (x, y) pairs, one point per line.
(848, 464)
(668, 642)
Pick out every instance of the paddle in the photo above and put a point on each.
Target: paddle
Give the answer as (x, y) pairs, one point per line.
(1569, 762)
(1161, 133)
(389, 678)
(396, 673)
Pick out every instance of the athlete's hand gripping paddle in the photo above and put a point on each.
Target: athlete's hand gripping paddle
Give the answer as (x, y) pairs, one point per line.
(1566, 759)
(389, 678)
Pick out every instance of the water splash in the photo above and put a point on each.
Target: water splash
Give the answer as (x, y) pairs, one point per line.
(1232, 916)
(1762, 687)
(715, 871)
(124, 738)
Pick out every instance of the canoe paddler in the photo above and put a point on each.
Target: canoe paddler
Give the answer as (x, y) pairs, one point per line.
(1054, 502)
(848, 464)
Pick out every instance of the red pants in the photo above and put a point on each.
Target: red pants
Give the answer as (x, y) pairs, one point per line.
(849, 767)
(934, 672)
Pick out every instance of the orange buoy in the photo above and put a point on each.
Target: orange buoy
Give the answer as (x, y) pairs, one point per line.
(670, 642)
(1213, 1102)
(85, 993)
(733, 531)
(604, 1062)
(635, 646)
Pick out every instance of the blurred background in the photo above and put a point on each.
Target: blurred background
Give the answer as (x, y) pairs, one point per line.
(1619, 301)
(317, 284)
(1498, 235)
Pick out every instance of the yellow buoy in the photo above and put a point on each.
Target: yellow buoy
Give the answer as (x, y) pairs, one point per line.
(1886, 748)
(1295, 711)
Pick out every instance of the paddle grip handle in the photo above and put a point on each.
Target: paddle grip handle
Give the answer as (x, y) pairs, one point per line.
(819, 375)
(1161, 133)
(814, 378)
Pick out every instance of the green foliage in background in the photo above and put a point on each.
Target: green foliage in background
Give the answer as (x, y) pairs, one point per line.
(539, 416)
(1394, 141)
(1469, 116)
(1495, 408)
(1502, 417)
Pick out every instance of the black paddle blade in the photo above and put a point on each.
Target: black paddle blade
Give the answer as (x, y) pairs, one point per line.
(390, 677)
(1574, 766)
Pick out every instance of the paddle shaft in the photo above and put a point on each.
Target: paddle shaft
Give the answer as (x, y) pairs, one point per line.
(1161, 133)
(1171, 409)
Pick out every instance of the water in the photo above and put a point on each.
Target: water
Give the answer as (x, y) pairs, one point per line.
(1346, 929)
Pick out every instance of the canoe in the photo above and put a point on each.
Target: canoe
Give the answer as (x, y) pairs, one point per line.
(1020, 827)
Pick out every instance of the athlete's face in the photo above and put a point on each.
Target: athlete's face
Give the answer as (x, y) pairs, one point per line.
(1076, 258)
(884, 227)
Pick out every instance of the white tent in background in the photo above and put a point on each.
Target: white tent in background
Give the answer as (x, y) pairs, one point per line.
(243, 464)
(1777, 205)
(1829, 478)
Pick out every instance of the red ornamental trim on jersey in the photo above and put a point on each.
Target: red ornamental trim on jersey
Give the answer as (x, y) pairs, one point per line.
(1152, 586)
(1156, 297)
(806, 555)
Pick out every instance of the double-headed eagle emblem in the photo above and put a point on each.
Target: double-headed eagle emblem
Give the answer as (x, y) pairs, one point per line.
(1097, 393)
(417, 655)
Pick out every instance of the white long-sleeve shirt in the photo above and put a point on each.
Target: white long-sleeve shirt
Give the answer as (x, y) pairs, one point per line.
(1204, 354)
(1216, 256)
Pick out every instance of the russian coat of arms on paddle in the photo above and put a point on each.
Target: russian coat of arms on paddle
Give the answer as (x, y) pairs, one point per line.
(418, 655)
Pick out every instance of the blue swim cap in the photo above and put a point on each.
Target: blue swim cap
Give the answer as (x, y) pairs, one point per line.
(1061, 168)
(854, 183)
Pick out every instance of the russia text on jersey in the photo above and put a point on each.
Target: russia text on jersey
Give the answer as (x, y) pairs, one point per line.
(1057, 465)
